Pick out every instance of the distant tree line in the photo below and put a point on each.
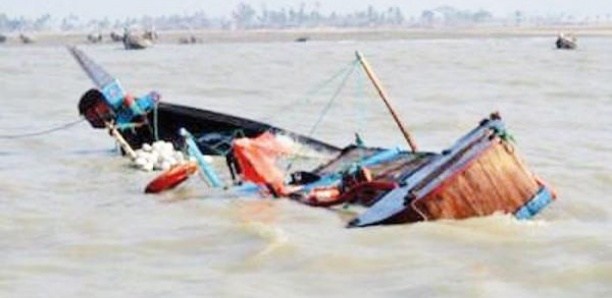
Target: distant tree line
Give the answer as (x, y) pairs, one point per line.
(450, 16)
(245, 16)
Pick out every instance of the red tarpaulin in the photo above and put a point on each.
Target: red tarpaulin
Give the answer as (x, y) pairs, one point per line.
(257, 160)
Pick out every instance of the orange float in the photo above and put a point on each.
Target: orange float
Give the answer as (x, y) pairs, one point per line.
(171, 178)
(323, 196)
(330, 196)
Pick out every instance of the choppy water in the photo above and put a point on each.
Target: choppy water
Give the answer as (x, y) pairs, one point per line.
(74, 221)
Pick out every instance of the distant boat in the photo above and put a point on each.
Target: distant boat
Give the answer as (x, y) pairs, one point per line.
(94, 37)
(136, 42)
(26, 38)
(133, 40)
(116, 37)
(566, 42)
(302, 39)
(189, 40)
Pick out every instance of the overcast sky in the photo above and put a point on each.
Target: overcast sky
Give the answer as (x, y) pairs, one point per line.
(124, 8)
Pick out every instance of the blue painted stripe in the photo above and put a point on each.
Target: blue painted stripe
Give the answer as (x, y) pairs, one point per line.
(541, 199)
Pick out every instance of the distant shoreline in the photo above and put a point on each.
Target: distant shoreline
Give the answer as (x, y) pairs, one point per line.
(328, 34)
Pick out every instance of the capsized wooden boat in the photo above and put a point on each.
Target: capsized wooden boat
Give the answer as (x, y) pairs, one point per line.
(479, 175)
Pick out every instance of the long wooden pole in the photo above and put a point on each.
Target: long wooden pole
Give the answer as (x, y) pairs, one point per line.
(122, 142)
(383, 96)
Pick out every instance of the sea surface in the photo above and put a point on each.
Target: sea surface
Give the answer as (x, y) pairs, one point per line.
(74, 221)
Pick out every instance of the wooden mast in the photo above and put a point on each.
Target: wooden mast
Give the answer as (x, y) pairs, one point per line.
(383, 96)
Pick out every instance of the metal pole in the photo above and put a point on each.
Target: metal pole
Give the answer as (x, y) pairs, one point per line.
(383, 96)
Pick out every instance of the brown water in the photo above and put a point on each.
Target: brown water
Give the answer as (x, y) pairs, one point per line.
(74, 221)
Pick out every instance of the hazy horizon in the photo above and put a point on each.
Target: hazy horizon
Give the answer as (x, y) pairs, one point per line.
(116, 9)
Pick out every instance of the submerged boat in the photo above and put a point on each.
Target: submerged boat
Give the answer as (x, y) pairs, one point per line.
(479, 175)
